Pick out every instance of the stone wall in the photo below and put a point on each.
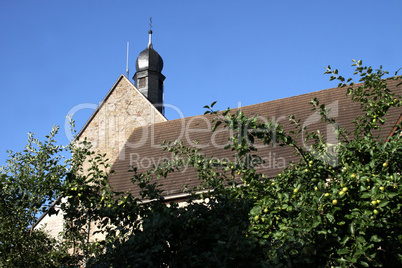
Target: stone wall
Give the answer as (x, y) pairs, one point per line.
(123, 110)
(52, 225)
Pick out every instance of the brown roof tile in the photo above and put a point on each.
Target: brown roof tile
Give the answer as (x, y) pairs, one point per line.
(143, 147)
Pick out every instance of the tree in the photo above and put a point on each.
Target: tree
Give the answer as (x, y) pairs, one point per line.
(322, 211)
(29, 183)
(317, 212)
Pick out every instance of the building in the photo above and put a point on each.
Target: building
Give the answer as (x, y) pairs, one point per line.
(129, 126)
(125, 108)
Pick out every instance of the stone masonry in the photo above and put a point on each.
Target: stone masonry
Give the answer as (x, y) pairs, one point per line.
(123, 110)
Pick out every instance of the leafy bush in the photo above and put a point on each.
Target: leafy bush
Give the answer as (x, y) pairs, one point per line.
(339, 206)
(322, 211)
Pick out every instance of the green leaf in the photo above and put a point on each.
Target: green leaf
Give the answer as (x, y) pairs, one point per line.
(343, 251)
(365, 264)
(392, 194)
(383, 203)
(324, 232)
(216, 125)
(361, 239)
(345, 240)
(375, 238)
(330, 217)
(352, 228)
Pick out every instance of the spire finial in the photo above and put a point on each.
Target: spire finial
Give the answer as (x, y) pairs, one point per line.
(127, 62)
(150, 33)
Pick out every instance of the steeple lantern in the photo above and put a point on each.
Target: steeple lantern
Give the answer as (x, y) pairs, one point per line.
(148, 77)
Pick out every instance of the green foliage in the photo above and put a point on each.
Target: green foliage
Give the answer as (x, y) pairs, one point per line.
(200, 235)
(320, 214)
(324, 211)
(29, 183)
(149, 232)
(338, 206)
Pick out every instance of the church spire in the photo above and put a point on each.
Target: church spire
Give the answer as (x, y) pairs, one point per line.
(150, 33)
(150, 39)
(149, 78)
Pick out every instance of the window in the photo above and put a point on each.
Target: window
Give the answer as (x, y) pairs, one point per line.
(142, 82)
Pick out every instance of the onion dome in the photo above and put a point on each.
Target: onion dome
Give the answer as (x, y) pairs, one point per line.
(149, 59)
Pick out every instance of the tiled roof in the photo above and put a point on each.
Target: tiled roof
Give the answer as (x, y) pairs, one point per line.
(143, 147)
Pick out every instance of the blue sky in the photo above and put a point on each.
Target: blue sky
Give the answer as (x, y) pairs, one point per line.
(58, 54)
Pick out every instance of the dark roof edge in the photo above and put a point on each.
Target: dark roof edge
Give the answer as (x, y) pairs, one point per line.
(166, 198)
(44, 214)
